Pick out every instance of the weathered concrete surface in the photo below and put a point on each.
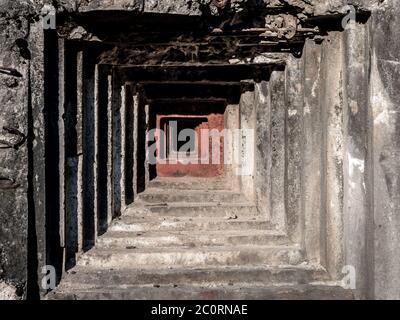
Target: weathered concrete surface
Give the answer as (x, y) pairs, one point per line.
(348, 114)
(385, 103)
(294, 99)
(277, 141)
(194, 7)
(164, 257)
(14, 97)
(230, 292)
(37, 218)
(247, 120)
(91, 278)
(263, 149)
(7, 292)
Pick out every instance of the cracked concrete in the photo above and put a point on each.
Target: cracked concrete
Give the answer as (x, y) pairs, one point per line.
(340, 109)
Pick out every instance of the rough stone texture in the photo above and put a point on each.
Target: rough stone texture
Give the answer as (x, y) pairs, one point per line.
(333, 120)
(294, 100)
(7, 292)
(14, 99)
(161, 254)
(385, 102)
(330, 124)
(313, 191)
(263, 149)
(278, 147)
(357, 187)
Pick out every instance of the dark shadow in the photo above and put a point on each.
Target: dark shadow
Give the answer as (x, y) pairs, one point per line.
(54, 252)
(152, 125)
(71, 161)
(88, 148)
(141, 148)
(117, 145)
(102, 158)
(129, 147)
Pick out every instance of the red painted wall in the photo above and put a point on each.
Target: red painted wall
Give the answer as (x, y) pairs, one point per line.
(168, 169)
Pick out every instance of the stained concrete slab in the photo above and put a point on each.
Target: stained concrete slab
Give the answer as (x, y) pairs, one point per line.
(343, 99)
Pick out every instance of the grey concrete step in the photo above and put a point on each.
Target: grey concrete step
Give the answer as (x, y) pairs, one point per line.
(163, 196)
(189, 183)
(324, 291)
(96, 278)
(178, 257)
(154, 239)
(183, 241)
(178, 209)
(132, 224)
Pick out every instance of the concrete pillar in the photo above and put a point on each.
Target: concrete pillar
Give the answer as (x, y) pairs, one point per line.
(110, 155)
(80, 150)
(278, 150)
(129, 144)
(230, 145)
(294, 126)
(103, 150)
(357, 208)
(263, 149)
(333, 108)
(123, 148)
(385, 105)
(136, 103)
(96, 152)
(313, 151)
(247, 122)
(117, 147)
(14, 105)
(89, 148)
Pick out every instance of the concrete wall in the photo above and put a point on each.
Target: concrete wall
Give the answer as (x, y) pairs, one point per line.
(385, 125)
(370, 65)
(343, 96)
(14, 103)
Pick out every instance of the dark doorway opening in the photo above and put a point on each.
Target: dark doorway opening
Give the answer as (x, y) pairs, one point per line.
(183, 133)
